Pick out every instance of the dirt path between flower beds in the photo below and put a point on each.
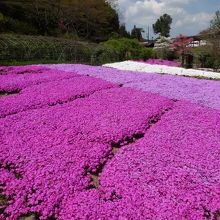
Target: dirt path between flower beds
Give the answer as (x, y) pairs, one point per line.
(125, 142)
(2, 94)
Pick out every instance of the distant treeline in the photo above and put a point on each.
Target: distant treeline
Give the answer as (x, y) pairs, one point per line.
(93, 20)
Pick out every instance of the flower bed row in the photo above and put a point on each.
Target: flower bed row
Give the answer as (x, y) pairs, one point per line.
(204, 92)
(172, 173)
(160, 62)
(47, 154)
(145, 68)
(167, 160)
(6, 70)
(12, 82)
(51, 93)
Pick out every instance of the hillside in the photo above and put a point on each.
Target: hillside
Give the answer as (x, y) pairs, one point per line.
(89, 19)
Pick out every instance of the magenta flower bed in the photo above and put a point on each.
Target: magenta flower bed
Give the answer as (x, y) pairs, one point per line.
(172, 173)
(51, 151)
(4, 70)
(16, 82)
(204, 92)
(7, 70)
(77, 147)
(109, 74)
(160, 62)
(51, 93)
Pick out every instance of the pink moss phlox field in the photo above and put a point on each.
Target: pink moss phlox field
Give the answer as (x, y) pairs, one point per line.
(51, 93)
(5, 70)
(168, 163)
(204, 92)
(16, 82)
(160, 62)
(47, 154)
(172, 173)
(109, 74)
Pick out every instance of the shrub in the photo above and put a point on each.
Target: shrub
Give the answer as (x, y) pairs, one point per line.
(146, 53)
(208, 60)
(217, 63)
(188, 60)
(103, 54)
(164, 54)
(17, 26)
(128, 49)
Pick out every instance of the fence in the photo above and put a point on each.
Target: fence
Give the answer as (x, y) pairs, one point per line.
(30, 48)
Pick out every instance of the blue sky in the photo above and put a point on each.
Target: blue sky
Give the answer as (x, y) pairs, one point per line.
(189, 16)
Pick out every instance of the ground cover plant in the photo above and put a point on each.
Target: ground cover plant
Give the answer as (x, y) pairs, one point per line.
(51, 93)
(25, 78)
(163, 69)
(161, 62)
(86, 142)
(203, 92)
(165, 175)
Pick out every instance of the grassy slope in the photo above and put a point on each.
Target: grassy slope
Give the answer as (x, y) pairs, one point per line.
(23, 49)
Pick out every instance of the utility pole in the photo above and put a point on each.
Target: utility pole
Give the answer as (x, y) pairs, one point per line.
(148, 33)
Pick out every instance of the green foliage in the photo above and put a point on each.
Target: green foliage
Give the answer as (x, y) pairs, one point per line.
(188, 60)
(103, 54)
(136, 33)
(123, 32)
(217, 63)
(146, 53)
(119, 49)
(162, 25)
(71, 36)
(26, 48)
(206, 58)
(3, 22)
(215, 23)
(128, 49)
(165, 54)
(114, 35)
(212, 62)
(1, 17)
(212, 36)
(89, 19)
(32, 49)
(14, 25)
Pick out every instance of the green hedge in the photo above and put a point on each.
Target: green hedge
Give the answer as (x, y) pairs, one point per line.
(128, 49)
(25, 48)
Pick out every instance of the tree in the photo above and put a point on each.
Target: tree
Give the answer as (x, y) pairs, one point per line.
(123, 32)
(137, 33)
(180, 45)
(162, 25)
(212, 36)
(89, 19)
(215, 24)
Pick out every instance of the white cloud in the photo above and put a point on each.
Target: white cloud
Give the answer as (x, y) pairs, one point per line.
(190, 22)
(146, 12)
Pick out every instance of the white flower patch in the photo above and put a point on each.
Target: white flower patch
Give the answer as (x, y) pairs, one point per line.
(151, 68)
